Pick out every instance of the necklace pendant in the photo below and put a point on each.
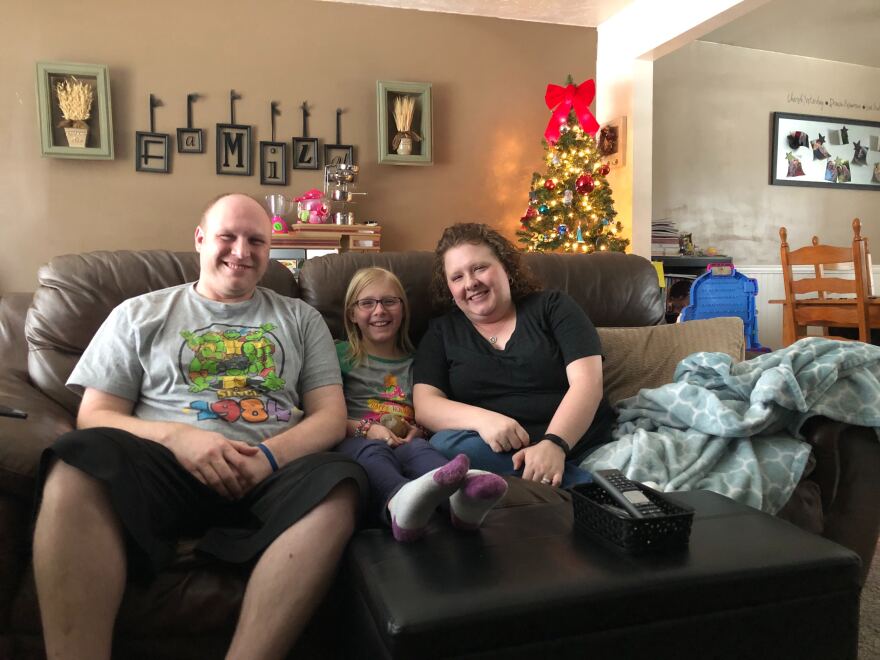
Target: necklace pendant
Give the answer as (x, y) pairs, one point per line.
(493, 340)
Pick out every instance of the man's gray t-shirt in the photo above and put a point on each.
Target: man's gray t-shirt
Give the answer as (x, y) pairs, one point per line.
(236, 368)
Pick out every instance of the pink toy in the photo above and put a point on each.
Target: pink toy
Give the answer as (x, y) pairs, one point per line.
(312, 207)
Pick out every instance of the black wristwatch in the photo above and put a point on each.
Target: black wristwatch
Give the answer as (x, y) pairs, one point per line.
(556, 440)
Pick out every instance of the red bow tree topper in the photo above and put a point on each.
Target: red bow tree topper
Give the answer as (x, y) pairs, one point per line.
(562, 100)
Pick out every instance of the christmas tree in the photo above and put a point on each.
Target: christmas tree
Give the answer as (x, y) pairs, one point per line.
(570, 206)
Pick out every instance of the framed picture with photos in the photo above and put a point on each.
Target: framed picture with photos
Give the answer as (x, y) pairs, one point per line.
(824, 152)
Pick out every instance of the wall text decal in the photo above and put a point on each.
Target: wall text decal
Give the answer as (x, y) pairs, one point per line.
(831, 102)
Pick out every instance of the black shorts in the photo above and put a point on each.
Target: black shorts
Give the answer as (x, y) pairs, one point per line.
(159, 502)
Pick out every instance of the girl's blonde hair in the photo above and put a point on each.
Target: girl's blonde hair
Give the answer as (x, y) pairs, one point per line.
(360, 281)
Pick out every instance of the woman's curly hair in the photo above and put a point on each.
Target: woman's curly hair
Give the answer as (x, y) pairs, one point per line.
(522, 281)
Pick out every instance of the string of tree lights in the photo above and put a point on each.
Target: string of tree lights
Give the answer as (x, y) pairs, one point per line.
(570, 205)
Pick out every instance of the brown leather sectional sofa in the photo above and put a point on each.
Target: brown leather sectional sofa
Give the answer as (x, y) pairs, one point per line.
(189, 611)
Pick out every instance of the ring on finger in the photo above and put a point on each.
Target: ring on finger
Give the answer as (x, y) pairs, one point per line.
(545, 480)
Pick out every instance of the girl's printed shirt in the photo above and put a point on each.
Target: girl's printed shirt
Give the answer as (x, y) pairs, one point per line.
(377, 386)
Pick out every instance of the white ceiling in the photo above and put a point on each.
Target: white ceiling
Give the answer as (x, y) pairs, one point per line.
(585, 13)
(845, 31)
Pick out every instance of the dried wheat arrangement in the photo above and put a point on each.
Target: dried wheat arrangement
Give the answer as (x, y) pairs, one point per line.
(404, 109)
(75, 100)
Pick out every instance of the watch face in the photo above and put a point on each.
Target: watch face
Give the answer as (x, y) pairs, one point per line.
(636, 497)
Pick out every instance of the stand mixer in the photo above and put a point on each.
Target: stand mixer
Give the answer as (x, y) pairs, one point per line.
(339, 179)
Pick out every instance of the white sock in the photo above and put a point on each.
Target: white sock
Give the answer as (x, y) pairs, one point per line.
(480, 492)
(411, 507)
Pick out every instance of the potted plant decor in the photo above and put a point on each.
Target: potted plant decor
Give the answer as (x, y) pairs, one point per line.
(75, 100)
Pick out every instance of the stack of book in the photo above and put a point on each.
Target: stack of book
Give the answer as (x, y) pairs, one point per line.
(664, 238)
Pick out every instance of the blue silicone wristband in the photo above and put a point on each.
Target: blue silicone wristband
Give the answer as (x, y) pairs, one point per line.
(269, 456)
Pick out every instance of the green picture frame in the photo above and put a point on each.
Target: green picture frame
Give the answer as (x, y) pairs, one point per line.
(53, 139)
(422, 149)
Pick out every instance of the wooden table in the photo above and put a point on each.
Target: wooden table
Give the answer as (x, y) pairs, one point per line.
(817, 312)
(344, 238)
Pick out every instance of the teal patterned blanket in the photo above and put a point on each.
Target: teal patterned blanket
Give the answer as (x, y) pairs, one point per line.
(735, 428)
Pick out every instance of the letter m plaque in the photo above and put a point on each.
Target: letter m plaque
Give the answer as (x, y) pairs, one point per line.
(234, 149)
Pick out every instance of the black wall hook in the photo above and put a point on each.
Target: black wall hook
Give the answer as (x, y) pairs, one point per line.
(274, 112)
(190, 99)
(233, 97)
(154, 103)
(305, 110)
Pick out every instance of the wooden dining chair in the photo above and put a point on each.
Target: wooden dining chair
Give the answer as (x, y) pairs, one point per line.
(822, 298)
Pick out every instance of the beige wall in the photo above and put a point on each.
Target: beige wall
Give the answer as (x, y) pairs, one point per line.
(489, 78)
(712, 125)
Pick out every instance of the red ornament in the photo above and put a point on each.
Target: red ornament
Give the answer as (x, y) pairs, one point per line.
(605, 169)
(584, 184)
(549, 184)
(531, 212)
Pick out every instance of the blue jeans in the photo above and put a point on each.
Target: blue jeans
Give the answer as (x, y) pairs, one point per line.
(453, 442)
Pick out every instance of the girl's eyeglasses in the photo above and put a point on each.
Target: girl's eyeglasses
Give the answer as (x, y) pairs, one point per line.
(369, 304)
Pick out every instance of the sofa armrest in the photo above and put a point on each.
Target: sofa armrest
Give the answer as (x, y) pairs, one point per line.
(847, 469)
(23, 440)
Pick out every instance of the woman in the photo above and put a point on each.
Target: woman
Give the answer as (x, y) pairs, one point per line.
(516, 372)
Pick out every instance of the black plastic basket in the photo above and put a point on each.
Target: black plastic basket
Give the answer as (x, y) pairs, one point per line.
(597, 514)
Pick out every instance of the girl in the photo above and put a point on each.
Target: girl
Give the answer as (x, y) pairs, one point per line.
(408, 477)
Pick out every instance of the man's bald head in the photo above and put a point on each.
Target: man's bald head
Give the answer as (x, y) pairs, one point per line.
(224, 197)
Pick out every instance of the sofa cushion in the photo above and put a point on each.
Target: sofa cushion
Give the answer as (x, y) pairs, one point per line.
(613, 288)
(22, 441)
(324, 280)
(13, 310)
(637, 358)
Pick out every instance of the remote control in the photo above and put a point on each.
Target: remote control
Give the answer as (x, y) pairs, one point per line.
(6, 411)
(627, 494)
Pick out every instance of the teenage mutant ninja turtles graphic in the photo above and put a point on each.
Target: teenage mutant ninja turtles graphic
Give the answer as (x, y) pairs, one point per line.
(233, 361)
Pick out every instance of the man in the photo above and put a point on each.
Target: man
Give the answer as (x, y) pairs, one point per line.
(206, 411)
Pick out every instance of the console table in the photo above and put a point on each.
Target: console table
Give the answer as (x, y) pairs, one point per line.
(528, 586)
(344, 238)
(305, 241)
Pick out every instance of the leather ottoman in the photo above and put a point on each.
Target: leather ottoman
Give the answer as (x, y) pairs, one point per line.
(526, 586)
